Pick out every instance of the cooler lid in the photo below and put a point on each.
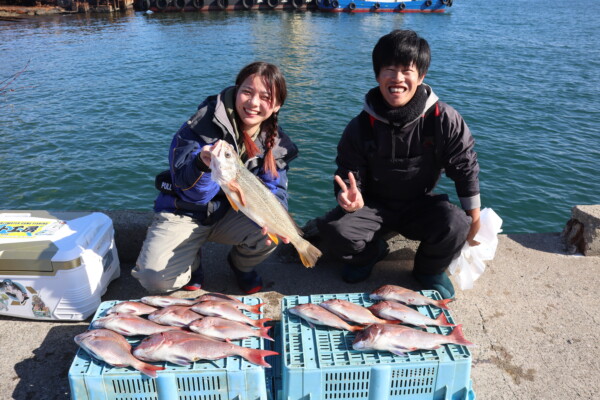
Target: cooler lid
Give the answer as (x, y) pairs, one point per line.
(45, 241)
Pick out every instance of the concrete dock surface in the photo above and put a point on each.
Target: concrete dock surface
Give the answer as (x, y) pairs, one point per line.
(533, 316)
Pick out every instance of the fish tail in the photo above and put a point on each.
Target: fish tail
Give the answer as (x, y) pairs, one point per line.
(264, 333)
(257, 357)
(443, 303)
(260, 323)
(148, 369)
(308, 253)
(442, 320)
(255, 309)
(457, 337)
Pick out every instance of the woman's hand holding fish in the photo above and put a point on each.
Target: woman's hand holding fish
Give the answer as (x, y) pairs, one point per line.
(206, 154)
(265, 231)
(350, 199)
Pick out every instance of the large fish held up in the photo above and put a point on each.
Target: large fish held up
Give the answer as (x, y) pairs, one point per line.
(183, 348)
(113, 349)
(247, 193)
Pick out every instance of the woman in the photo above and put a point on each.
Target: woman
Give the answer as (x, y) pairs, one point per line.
(192, 209)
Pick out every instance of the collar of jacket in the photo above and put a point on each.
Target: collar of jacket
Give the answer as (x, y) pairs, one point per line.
(224, 115)
(432, 98)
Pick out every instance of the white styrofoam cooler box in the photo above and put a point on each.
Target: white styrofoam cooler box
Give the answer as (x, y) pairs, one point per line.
(55, 265)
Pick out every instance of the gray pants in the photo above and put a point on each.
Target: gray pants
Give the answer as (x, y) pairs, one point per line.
(170, 252)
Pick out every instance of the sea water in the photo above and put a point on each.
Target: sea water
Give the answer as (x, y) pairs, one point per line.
(89, 103)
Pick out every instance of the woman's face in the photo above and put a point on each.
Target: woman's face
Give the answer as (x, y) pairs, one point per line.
(254, 103)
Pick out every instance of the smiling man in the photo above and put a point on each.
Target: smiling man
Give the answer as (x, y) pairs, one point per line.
(389, 160)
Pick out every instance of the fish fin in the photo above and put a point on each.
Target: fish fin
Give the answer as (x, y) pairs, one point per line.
(399, 351)
(273, 237)
(308, 253)
(235, 188)
(233, 204)
(227, 340)
(356, 328)
(260, 323)
(256, 356)
(264, 333)
(256, 309)
(184, 362)
(391, 321)
(457, 337)
(149, 369)
(442, 320)
(443, 303)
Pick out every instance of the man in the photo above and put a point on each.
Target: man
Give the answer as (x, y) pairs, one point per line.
(389, 160)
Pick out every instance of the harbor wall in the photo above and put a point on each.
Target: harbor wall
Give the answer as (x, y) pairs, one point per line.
(580, 235)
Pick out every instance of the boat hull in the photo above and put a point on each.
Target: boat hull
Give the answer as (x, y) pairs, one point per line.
(222, 5)
(410, 6)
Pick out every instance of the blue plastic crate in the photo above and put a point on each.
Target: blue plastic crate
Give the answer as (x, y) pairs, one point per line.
(319, 363)
(231, 378)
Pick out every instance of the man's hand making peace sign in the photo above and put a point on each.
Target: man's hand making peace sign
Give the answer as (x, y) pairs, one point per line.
(350, 199)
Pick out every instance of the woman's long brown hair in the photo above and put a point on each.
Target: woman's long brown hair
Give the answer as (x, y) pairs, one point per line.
(273, 79)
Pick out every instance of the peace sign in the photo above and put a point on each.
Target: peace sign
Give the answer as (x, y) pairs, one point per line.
(350, 199)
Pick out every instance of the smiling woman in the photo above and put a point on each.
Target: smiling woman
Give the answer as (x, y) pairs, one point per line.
(195, 209)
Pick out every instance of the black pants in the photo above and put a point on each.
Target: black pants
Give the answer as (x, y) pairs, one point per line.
(440, 226)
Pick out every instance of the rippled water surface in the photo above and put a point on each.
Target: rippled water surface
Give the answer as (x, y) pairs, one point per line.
(88, 122)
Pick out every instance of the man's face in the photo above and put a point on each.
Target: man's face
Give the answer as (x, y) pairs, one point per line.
(398, 84)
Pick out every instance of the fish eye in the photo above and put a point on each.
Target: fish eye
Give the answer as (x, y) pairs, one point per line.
(227, 154)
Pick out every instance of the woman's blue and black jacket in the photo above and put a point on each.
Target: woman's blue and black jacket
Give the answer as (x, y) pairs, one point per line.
(187, 188)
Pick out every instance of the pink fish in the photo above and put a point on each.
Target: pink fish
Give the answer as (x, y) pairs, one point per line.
(400, 339)
(353, 312)
(163, 301)
(315, 314)
(406, 296)
(113, 349)
(174, 316)
(130, 325)
(255, 309)
(407, 315)
(226, 310)
(224, 329)
(183, 348)
(131, 307)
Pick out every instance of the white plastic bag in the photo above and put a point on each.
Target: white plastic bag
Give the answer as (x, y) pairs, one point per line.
(469, 265)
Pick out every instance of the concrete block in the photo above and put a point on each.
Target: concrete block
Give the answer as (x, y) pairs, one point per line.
(582, 232)
(130, 231)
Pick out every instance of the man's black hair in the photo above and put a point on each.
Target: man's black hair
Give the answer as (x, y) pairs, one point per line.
(401, 47)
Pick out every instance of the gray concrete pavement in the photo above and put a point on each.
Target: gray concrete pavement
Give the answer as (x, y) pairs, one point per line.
(533, 315)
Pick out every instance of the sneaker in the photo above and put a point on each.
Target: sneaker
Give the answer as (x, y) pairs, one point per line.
(355, 274)
(248, 282)
(440, 282)
(196, 280)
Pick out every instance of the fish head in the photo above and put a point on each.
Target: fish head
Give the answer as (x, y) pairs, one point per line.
(366, 338)
(149, 346)
(224, 162)
(79, 339)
